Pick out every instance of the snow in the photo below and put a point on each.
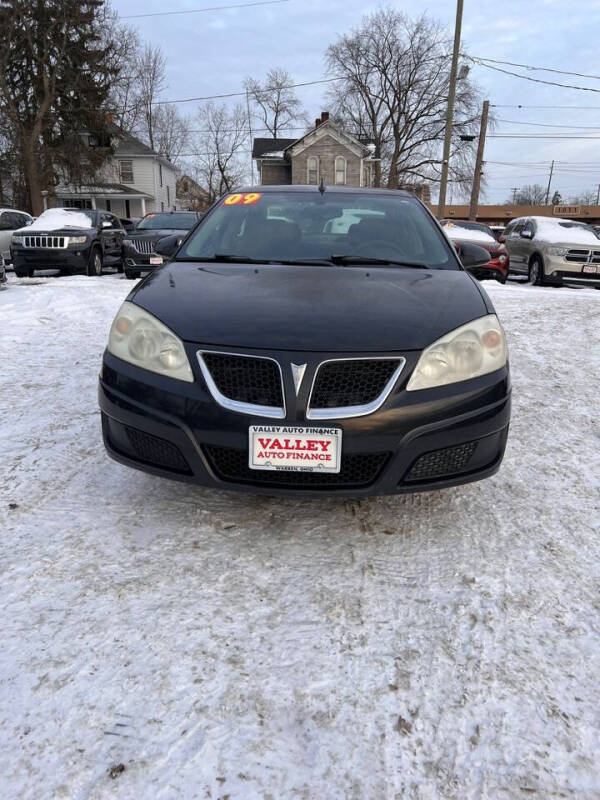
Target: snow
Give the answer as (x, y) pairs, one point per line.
(54, 219)
(427, 646)
(467, 234)
(550, 230)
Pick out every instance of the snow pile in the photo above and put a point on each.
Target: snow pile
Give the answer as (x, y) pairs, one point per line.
(160, 640)
(55, 219)
(550, 230)
(456, 232)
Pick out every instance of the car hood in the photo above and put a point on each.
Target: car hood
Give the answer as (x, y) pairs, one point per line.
(27, 231)
(328, 309)
(156, 233)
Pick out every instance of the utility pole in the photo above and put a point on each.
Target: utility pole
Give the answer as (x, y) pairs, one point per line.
(479, 161)
(250, 131)
(549, 182)
(450, 111)
(514, 190)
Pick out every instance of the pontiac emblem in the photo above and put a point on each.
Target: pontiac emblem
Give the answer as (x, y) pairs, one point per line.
(298, 371)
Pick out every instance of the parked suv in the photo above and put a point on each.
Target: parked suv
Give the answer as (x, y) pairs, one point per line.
(139, 246)
(70, 240)
(552, 251)
(10, 221)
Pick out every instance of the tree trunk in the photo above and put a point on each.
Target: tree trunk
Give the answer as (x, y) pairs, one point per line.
(32, 170)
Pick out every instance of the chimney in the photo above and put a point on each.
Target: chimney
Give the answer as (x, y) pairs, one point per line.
(324, 116)
(317, 122)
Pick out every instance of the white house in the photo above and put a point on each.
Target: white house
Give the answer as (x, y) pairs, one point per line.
(132, 182)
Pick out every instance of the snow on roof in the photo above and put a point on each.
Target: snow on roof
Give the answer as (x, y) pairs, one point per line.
(467, 234)
(564, 231)
(54, 219)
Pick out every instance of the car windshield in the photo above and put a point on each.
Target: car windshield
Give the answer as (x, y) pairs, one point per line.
(325, 227)
(176, 222)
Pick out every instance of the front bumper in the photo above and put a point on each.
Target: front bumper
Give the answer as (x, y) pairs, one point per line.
(416, 441)
(66, 259)
(493, 270)
(134, 262)
(558, 270)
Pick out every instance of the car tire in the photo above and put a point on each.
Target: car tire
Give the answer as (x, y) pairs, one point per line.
(94, 266)
(24, 273)
(120, 267)
(536, 272)
(132, 276)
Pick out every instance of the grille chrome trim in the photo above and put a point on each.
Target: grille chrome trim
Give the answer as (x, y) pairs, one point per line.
(143, 246)
(345, 412)
(274, 412)
(46, 241)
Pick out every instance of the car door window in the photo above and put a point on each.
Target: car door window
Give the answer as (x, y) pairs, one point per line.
(516, 231)
(116, 223)
(8, 221)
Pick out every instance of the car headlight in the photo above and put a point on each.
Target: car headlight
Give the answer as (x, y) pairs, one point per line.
(502, 259)
(139, 338)
(128, 242)
(473, 349)
(77, 239)
(16, 240)
(557, 251)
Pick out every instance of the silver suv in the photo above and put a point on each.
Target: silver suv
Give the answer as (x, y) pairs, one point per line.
(553, 251)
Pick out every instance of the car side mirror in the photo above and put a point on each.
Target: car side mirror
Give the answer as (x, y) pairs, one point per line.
(526, 235)
(167, 246)
(472, 256)
(106, 224)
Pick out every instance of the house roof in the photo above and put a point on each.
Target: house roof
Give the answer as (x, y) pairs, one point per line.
(129, 145)
(270, 148)
(101, 190)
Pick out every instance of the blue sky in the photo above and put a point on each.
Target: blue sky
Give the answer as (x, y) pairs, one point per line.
(210, 53)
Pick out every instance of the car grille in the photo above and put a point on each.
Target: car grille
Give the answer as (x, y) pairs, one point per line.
(54, 242)
(246, 380)
(448, 461)
(580, 256)
(145, 246)
(156, 451)
(352, 384)
(357, 469)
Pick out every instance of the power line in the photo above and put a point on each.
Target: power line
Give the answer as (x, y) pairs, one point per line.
(534, 80)
(537, 69)
(564, 108)
(202, 10)
(549, 125)
(242, 94)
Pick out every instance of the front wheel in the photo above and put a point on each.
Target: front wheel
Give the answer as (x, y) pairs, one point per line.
(132, 276)
(24, 273)
(94, 267)
(536, 272)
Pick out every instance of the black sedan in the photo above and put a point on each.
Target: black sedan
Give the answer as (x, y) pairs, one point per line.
(139, 246)
(69, 240)
(308, 340)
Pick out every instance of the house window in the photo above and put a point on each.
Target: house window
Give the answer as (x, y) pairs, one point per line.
(340, 171)
(126, 171)
(312, 169)
(69, 203)
(108, 208)
(160, 174)
(162, 206)
(168, 195)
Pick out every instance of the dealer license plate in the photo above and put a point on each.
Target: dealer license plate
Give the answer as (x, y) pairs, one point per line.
(156, 260)
(291, 448)
(590, 268)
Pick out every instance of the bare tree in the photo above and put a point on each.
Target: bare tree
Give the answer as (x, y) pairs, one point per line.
(530, 195)
(275, 104)
(218, 166)
(171, 132)
(393, 89)
(586, 198)
(150, 69)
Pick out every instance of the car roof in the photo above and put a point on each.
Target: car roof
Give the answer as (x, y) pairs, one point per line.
(314, 188)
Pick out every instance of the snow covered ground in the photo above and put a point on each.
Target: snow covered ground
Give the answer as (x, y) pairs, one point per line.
(165, 641)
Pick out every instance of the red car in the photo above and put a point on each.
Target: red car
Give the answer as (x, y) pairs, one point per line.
(460, 231)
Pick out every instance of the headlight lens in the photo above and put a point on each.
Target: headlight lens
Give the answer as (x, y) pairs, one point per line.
(557, 251)
(128, 242)
(139, 338)
(502, 259)
(77, 239)
(473, 349)
(16, 239)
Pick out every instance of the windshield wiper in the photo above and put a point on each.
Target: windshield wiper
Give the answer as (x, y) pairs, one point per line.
(228, 258)
(351, 260)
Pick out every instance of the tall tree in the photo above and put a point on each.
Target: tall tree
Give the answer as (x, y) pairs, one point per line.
(171, 132)
(151, 77)
(224, 135)
(275, 105)
(393, 89)
(56, 66)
